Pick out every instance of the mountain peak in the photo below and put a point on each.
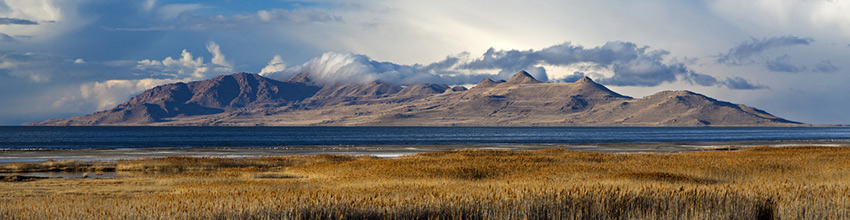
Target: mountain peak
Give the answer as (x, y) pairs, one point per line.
(487, 83)
(585, 80)
(522, 77)
(424, 89)
(457, 89)
(303, 77)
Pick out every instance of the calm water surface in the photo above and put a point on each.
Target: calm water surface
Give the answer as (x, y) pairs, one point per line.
(16, 137)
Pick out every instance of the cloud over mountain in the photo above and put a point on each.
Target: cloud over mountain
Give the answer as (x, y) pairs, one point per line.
(345, 67)
(85, 89)
(614, 63)
(683, 42)
(189, 66)
(629, 64)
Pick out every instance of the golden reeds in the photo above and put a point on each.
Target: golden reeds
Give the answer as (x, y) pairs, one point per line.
(755, 183)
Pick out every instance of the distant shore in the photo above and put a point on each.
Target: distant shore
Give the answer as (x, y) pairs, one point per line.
(114, 154)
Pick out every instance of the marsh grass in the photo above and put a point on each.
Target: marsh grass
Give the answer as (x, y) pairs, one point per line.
(753, 183)
(19, 178)
(173, 164)
(57, 166)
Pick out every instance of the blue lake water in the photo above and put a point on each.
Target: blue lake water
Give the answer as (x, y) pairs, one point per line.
(17, 137)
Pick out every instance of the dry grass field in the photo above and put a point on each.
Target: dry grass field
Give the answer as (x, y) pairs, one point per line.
(754, 183)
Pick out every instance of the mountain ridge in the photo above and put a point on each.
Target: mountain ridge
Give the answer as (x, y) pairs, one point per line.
(244, 99)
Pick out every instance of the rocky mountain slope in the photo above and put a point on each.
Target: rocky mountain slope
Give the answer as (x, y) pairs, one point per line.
(244, 99)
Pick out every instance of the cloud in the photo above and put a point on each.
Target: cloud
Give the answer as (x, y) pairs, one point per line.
(149, 5)
(747, 52)
(628, 64)
(18, 21)
(105, 94)
(181, 17)
(42, 85)
(345, 67)
(218, 57)
(185, 65)
(189, 66)
(741, 84)
(99, 94)
(825, 66)
(573, 77)
(172, 11)
(5, 38)
(265, 16)
(29, 12)
(31, 67)
(41, 22)
(299, 15)
(274, 66)
(700, 79)
(408, 32)
(508, 62)
(151, 28)
(783, 64)
(109, 93)
(755, 51)
(335, 67)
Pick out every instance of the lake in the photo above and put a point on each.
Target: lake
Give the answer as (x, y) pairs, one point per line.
(29, 138)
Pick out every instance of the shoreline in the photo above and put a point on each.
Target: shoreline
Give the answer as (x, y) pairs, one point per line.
(381, 151)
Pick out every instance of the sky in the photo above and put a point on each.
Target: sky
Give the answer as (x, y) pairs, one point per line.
(62, 58)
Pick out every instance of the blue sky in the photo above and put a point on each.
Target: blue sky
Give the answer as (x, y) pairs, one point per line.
(61, 58)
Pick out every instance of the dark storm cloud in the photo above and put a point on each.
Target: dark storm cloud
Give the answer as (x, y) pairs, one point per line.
(572, 77)
(632, 65)
(746, 52)
(783, 64)
(741, 84)
(10, 21)
(825, 66)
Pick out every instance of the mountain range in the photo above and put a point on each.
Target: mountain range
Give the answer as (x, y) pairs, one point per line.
(244, 99)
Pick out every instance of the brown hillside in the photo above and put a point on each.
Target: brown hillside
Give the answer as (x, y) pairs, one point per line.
(248, 99)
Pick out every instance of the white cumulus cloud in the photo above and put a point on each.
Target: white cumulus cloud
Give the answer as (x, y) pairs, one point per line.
(626, 63)
(189, 66)
(218, 57)
(186, 67)
(109, 93)
(335, 67)
(276, 65)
